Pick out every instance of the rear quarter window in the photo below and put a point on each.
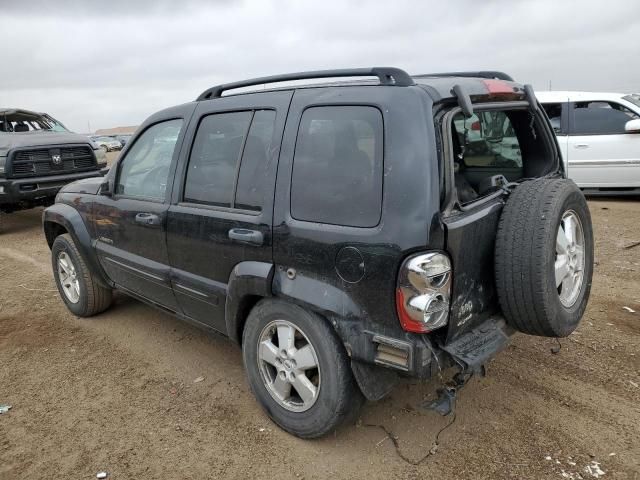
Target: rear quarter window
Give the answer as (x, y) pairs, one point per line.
(337, 166)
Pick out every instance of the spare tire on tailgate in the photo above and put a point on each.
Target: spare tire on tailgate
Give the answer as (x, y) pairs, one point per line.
(544, 257)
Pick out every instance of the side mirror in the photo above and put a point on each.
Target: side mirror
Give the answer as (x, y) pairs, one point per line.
(632, 126)
(106, 189)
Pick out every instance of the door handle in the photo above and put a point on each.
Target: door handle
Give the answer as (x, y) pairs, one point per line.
(148, 219)
(581, 145)
(243, 235)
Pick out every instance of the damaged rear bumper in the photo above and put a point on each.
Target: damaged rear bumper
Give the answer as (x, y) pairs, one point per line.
(417, 356)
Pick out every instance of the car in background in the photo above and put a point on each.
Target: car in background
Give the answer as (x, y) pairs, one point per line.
(599, 137)
(38, 156)
(109, 144)
(123, 139)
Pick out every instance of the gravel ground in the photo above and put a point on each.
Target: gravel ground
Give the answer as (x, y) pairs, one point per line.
(117, 392)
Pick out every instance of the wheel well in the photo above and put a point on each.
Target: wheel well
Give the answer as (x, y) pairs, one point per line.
(246, 305)
(53, 230)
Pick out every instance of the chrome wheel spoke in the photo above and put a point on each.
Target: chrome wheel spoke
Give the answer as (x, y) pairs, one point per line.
(579, 252)
(269, 352)
(286, 337)
(561, 269)
(561, 242)
(282, 387)
(305, 388)
(568, 283)
(570, 229)
(305, 358)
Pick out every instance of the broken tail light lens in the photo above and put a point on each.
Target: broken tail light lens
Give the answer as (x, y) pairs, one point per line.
(424, 291)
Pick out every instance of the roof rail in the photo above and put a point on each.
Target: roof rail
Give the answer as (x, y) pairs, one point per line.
(482, 74)
(386, 75)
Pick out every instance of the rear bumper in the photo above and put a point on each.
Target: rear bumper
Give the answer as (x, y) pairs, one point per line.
(417, 356)
(14, 192)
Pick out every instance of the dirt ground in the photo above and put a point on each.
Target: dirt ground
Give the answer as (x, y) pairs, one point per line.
(117, 392)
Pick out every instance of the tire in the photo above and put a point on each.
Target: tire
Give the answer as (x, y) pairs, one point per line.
(337, 400)
(537, 216)
(93, 298)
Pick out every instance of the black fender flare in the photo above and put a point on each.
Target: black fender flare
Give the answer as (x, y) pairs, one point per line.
(249, 282)
(71, 220)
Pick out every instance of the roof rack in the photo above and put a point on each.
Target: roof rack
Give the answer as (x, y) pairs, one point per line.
(482, 74)
(386, 75)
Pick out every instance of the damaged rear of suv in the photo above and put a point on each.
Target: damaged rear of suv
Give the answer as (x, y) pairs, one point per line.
(344, 234)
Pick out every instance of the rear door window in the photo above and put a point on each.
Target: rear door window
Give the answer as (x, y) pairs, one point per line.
(337, 166)
(255, 162)
(214, 158)
(600, 118)
(216, 175)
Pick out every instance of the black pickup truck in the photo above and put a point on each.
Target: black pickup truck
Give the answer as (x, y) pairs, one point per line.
(38, 156)
(344, 234)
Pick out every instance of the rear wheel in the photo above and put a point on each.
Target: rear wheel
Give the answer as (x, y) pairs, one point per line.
(544, 257)
(81, 292)
(298, 369)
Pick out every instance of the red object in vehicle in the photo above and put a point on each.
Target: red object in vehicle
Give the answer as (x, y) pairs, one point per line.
(475, 126)
(498, 87)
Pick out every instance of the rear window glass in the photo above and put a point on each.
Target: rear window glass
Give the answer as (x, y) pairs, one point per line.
(488, 140)
(337, 166)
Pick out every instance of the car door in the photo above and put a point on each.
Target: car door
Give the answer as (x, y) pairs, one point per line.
(131, 223)
(601, 154)
(221, 212)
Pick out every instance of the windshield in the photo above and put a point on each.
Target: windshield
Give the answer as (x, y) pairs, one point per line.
(633, 98)
(21, 121)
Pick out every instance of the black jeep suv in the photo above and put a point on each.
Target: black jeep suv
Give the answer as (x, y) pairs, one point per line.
(344, 234)
(38, 155)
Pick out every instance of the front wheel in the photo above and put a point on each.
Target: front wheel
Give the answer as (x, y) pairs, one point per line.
(81, 292)
(298, 369)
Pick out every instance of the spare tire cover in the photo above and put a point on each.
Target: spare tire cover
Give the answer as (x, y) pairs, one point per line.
(544, 257)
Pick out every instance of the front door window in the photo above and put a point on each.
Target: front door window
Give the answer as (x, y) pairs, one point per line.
(144, 172)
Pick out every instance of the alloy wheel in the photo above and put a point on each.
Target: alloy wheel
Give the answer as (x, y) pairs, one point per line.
(570, 260)
(288, 366)
(68, 276)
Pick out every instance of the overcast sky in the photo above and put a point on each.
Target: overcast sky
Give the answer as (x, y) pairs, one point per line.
(114, 63)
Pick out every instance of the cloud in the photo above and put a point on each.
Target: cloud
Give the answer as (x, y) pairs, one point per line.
(116, 63)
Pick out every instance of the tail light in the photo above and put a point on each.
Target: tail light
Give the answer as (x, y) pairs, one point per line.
(424, 291)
